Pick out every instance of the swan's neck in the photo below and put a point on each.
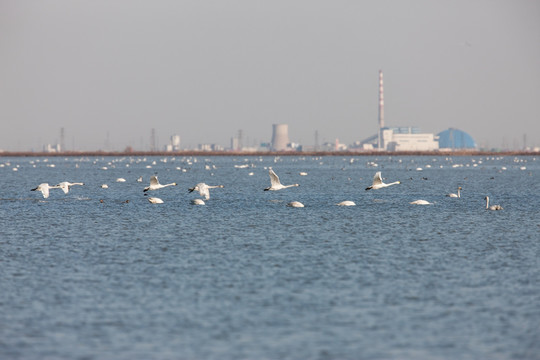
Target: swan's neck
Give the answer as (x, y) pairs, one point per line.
(487, 203)
(458, 193)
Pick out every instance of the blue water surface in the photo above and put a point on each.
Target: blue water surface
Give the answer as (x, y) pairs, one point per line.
(104, 274)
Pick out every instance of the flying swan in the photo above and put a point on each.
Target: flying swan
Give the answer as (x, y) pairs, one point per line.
(155, 185)
(275, 184)
(204, 189)
(492, 207)
(66, 186)
(44, 188)
(378, 183)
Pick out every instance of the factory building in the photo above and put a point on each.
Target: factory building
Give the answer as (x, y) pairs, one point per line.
(408, 139)
(453, 139)
(174, 143)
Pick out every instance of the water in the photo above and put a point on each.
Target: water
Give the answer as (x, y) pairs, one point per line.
(246, 277)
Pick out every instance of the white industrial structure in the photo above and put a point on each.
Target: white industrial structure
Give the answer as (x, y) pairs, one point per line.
(408, 139)
(52, 148)
(280, 137)
(174, 144)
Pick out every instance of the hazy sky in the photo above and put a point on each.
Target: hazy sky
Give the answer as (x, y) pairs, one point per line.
(205, 69)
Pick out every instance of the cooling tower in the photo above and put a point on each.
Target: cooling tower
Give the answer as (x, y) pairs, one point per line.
(280, 137)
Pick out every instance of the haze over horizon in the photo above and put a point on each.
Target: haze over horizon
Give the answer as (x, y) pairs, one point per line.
(111, 71)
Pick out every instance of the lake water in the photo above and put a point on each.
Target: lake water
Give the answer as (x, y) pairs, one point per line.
(246, 277)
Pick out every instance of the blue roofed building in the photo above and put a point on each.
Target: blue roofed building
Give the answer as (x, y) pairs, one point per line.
(455, 139)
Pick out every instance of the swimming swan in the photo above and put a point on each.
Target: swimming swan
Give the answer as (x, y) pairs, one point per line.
(155, 200)
(296, 204)
(66, 186)
(204, 189)
(44, 188)
(378, 183)
(420, 202)
(197, 202)
(452, 195)
(492, 207)
(346, 203)
(275, 184)
(155, 185)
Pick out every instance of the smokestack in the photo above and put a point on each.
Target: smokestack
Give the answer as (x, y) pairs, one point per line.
(381, 108)
(381, 100)
(280, 137)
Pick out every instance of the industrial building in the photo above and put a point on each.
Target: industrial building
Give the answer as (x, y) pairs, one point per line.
(174, 144)
(408, 139)
(454, 139)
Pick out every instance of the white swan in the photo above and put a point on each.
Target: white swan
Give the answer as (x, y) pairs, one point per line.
(296, 204)
(346, 203)
(155, 185)
(44, 188)
(458, 195)
(155, 200)
(204, 189)
(120, 180)
(378, 183)
(275, 184)
(104, 186)
(139, 179)
(420, 202)
(66, 185)
(492, 207)
(197, 202)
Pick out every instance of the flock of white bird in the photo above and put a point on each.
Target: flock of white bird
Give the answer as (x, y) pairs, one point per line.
(275, 185)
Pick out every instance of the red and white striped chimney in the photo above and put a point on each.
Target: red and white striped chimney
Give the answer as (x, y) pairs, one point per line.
(381, 100)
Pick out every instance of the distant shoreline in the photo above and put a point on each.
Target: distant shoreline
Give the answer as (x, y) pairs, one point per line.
(269, 153)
